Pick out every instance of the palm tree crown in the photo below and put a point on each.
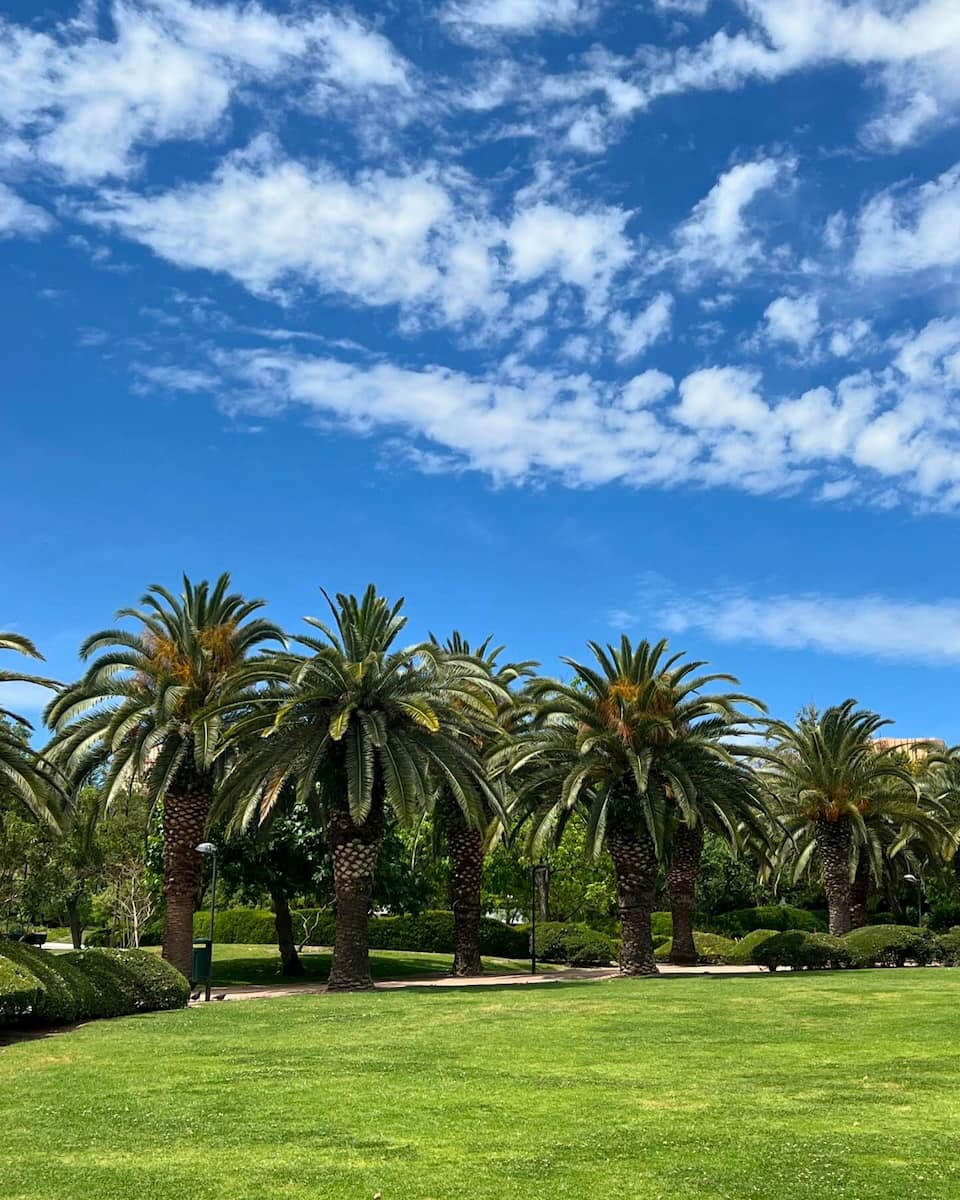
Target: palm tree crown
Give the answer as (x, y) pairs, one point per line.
(23, 773)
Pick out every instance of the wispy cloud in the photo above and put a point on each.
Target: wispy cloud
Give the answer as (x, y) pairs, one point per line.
(870, 626)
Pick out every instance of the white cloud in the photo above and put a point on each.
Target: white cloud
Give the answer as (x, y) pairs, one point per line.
(518, 17)
(900, 232)
(716, 236)
(88, 103)
(636, 334)
(793, 320)
(19, 217)
(865, 626)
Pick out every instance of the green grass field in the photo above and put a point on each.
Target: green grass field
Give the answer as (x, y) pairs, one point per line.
(800, 1087)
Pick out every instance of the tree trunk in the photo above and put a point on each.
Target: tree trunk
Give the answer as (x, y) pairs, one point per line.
(73, 920)
(184, 824)
(682, 888)
(290, 963)
(465, 847)
(860, 894)
(835, 842)
(354, 849)
(635, 868)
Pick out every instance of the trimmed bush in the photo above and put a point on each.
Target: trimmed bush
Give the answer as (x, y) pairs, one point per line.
(743, 951)
(661, 927)
(158, 985)
(741, 921)
(802, 951)
(712, 949)
(56, 1002)
(20, 991)
(114, 993)
(573, 944)
(950, 947)
(891, 946)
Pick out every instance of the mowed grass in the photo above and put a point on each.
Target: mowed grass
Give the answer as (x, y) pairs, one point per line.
(800, 1087)
(237, 965)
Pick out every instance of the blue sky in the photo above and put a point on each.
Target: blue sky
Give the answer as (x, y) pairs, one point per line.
(559, 317)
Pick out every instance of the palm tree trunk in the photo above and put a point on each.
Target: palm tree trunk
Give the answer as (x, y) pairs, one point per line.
(465, 847)
(355, 849)
(635, 868)
(73, 920)
(682, 888)
(290, 963)
(835, 842)
(184, 824)
(860, 894)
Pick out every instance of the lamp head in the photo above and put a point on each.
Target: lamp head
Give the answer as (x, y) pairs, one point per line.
(206, 848)
(911, 879)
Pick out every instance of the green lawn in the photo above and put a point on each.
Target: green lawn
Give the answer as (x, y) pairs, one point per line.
(795, 1087)
(239, 964)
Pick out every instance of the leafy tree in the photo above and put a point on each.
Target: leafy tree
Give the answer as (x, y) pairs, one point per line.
(24, 775)
(360, 728)
(142, 717)
(631, 745)
(827, 775)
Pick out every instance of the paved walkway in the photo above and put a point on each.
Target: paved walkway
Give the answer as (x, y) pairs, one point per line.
(563, 975)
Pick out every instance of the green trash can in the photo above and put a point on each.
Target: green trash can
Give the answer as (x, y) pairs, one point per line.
(202, 957)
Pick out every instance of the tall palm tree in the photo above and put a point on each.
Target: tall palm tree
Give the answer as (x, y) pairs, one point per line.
(360, 727)
(141, 716)
(826, 775)
(630, 743)
(24, 774)
(464, 840)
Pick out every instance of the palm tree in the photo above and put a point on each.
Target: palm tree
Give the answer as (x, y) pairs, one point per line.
(633, 746)
(826, 775)
(361, 728)
(141, 716)
(465, 842)
(24, 774)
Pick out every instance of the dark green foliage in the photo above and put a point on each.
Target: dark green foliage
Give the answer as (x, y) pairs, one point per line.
(158, 985)
(712, 948)
(575, 945)
(950, 947)
(802, 951)
(891, 946)
(742, 953)
(741, 921)
(944, 915)
(56, 1003)
(114, 994)
(431, 931)
(20, 991)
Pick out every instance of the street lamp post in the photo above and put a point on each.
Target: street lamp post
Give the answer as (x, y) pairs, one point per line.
(208, 848)
(539, 873)
(918, 881)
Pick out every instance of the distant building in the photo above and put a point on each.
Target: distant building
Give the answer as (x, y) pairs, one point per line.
(914, 748)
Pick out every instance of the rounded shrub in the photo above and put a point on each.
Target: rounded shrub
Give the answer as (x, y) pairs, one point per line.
(158, 985)
(114, 993)
(574, 944)
(891, 946)
(741, 921)
(802, 951)
(742, 953)
(20, 992)
(56, 1002)
(949, 943)
(712, 949)
(661, 927)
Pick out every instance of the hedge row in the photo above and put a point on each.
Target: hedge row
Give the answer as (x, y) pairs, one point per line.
(575, 945)
(430, 932)
(711, 948)
(83, 984)
(741, 921)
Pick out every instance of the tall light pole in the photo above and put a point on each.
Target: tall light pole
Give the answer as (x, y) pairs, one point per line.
(918, 881)
(208, 848)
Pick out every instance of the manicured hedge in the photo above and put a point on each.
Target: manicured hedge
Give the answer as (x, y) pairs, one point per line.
(802, 951)
(573, 944)
(20, 991)
(431, 931)
(741, 921)
(891, 946)
(711, 948)
(950, 947)
(82, 984)
(661, 927)
(742, 953)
